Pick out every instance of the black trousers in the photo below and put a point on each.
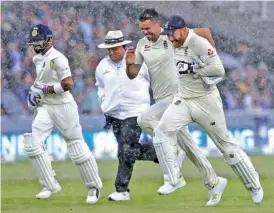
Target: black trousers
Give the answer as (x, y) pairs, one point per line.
(127, 133)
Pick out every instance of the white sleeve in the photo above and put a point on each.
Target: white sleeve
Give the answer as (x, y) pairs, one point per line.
(145, 72)
(61, 66)
(214, 65)
(100, 84)
(138, 56)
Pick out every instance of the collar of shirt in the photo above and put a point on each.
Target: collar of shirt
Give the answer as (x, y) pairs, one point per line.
(117, 64)
(190, 34)
(49, 51)
(39, 56)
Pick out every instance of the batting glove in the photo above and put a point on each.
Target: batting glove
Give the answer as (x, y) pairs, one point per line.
(34, 100)
(40, 88)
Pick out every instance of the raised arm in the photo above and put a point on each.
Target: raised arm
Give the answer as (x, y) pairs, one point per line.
(134, 61)
(205, 33)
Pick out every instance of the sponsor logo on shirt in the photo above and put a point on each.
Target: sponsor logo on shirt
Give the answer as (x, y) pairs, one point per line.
(210, 52)
(184, 67)
(147, 48)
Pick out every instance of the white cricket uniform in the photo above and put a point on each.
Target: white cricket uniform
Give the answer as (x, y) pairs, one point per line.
(61, 111)
(58, 110)
(119, 96)
(199, 102)
(159, 57)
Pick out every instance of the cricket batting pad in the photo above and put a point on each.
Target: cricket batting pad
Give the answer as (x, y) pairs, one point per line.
(40, 160)
(243, 167)
(82, 157)
(166, 157)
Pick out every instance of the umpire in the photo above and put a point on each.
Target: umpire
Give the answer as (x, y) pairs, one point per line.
(122, 100)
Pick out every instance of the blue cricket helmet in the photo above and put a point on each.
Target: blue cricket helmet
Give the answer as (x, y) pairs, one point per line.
(173, 23)
(40, 32)
(39, 38)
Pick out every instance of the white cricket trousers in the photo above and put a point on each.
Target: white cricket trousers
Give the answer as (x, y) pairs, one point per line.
(149, 120)
(207, 112)
(64, 117)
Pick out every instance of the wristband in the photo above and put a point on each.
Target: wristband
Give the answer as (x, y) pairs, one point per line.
(58, 88)
(46, 90)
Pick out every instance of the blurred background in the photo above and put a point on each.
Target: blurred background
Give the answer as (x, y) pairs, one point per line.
(243, 32)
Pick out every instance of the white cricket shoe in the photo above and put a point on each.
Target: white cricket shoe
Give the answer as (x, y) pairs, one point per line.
(257, 195)
(93, 196)
(167, 188)
(46, 193)
(216, 193)
(119, 196)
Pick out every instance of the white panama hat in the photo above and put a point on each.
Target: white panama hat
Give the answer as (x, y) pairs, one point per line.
(114, 39)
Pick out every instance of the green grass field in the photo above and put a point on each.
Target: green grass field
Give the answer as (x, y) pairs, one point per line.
(19, 189)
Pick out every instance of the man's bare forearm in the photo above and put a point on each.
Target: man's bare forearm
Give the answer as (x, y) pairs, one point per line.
(133, 70)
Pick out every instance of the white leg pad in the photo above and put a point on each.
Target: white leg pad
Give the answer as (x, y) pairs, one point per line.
(39, 176)
(82, 157)
(166, 157)
(40, 161)
(243, 167)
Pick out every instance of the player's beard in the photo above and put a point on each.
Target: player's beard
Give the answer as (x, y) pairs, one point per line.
(149, 36)
(40, 48)
(177, 43)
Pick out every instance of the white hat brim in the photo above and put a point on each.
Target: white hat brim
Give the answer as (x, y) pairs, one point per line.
(106, 46)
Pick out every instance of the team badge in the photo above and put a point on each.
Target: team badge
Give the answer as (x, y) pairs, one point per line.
(34, 32)
(165, 45)
(186, 51)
